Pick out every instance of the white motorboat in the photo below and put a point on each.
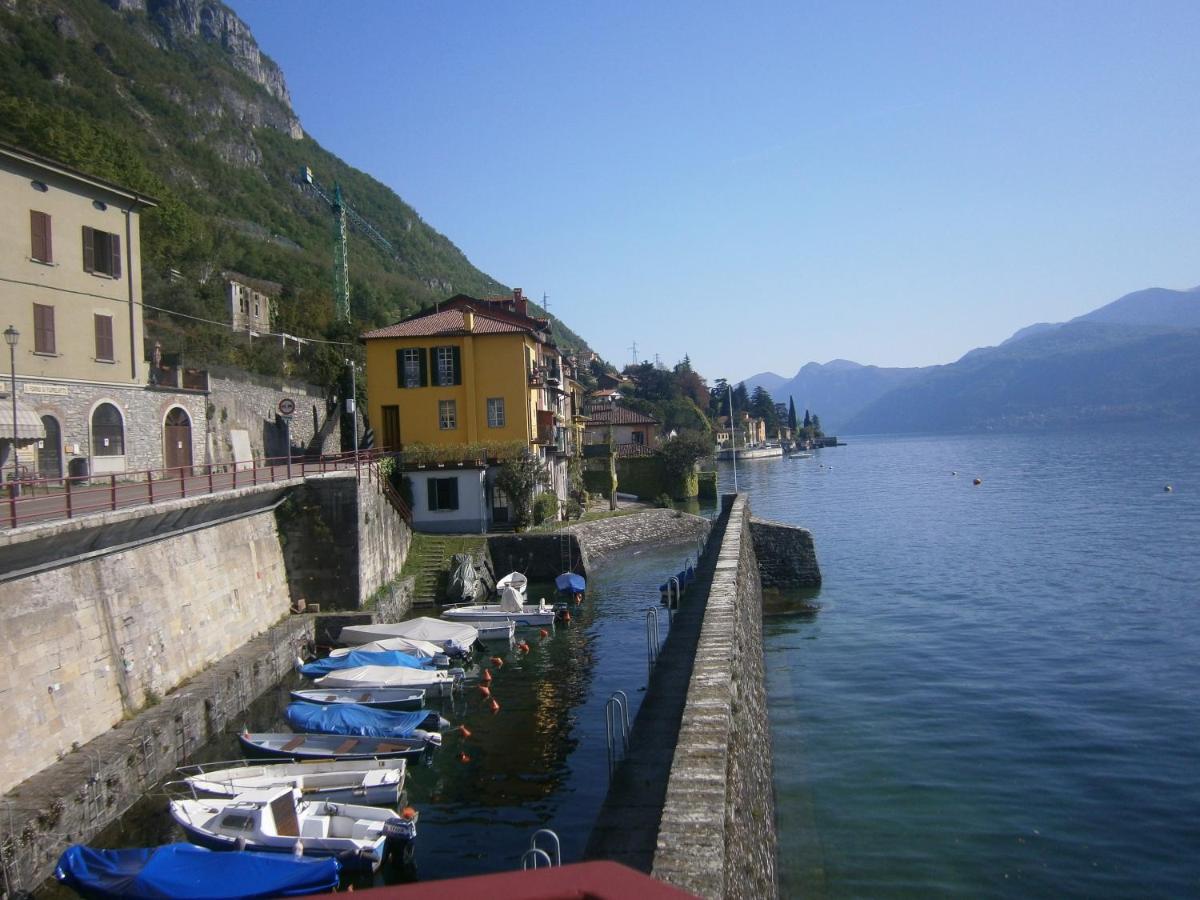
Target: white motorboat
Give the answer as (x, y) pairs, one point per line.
(436, 682)
(455, 638)
(799, 454)
(278, 821)
(375, 782)
(515, 580)
(511, 608)
(372, 698)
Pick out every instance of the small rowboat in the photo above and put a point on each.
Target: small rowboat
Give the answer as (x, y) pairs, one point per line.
(286, 745)
(376, 698)
(275, 821)
(515, 580)
(375, 782)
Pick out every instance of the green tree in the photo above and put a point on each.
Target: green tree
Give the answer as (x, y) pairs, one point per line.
(791, 420)
(520, 478)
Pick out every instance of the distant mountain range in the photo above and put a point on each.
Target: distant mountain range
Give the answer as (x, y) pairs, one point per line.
(1134, 360)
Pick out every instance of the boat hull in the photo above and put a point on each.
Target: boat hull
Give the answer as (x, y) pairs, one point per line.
(352, 860)
(410, 749)
(531, 618)
(380, 698)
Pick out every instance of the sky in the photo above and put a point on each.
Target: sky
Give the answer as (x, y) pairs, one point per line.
(764, 184)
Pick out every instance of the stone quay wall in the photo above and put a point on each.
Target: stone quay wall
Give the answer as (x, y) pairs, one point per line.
(242, 400)
(723, 753)
(651, 526)
(787, 557)
(89, 788)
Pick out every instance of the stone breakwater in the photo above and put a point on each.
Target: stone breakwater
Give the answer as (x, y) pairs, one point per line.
(787, 557)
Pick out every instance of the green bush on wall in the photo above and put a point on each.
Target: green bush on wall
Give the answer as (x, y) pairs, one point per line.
(545, 507)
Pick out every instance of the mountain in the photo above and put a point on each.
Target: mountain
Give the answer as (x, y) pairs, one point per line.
(1135, 360)
(769, 381)
(176, 99)
(837, 390)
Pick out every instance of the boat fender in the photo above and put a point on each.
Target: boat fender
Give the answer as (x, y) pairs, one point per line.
(464, 731)
(442, 724)
(485, 691)
(433, 739)
(298, 849)
(240, 843)
(486, 677)
(495, 706)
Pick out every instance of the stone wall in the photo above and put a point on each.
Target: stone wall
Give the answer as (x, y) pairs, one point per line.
(537, 555)
(92, 642)
(603, 536)
(723, 752)
(242, 400)
(90, 787)
(384, 539)
(787, 557)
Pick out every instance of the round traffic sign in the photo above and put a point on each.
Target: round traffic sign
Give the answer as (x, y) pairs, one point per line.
(287, 406)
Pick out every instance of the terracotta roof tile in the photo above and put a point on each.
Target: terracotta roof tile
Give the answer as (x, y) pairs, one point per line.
(446, 322)
(617, 415)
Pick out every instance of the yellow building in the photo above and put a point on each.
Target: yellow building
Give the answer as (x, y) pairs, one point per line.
(71, 300)
(470, 373)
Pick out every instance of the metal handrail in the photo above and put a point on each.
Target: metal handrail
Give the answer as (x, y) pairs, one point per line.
(652, 640)
(556, 844)
(51, 499)
(616, 713)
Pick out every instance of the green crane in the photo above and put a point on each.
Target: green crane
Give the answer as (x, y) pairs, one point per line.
(341, 264)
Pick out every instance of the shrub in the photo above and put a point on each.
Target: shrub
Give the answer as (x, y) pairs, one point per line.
(545, 508)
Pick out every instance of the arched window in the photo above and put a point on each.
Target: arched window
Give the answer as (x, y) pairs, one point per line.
(108, 431)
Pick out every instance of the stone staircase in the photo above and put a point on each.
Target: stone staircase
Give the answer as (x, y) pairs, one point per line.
(431, 560)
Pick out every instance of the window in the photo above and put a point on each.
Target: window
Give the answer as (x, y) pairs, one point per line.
(391, 428)
(104, 338)
(101, 252)
(237, 822)
(639, 437)
(43, 328)
(40, 246)
(447, 415)
(443, 493)
(495, 409)
(410, 368)
(447, 366)
(108, 431)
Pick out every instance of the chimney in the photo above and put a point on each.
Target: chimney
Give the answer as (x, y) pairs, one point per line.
(520, 304)
(469, 319)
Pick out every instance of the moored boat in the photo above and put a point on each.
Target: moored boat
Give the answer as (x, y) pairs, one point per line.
(352, 719)
(391, 658)
(455, 638)
(275, 821)
(435, 682)
(286, 745)
(413, 647)
(375, 782)
(515, 580)
(375, 698)
(189, 872)
(511, 608)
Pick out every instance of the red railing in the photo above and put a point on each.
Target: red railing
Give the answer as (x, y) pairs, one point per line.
(49, 499)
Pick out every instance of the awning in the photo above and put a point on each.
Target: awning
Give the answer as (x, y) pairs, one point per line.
(29, 423)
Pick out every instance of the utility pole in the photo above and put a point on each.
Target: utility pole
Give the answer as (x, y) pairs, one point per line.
(635, 354)
(732, 436)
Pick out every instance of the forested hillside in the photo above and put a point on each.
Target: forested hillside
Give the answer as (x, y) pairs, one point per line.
(174, 98)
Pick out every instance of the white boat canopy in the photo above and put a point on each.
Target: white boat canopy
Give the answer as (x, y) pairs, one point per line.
(384, 676)
(411, 646)
(436, 631)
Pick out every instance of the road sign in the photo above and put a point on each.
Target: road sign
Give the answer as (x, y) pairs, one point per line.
(287, 406)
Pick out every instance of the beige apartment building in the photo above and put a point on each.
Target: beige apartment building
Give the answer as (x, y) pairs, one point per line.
(70, 285)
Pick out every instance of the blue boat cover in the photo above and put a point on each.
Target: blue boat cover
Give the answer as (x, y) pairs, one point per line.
(192, 873)
(354, 719)
(356, 658)
(570, 583)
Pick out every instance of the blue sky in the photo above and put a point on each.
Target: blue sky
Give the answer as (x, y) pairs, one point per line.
(761, 185)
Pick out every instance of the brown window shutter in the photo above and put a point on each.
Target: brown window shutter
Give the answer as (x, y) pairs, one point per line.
(116, 255)
(104, 337)
(89, 250)
(43, 328)
(39, 236)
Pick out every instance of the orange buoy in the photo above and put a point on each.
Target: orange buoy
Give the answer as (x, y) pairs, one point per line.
(464, 731)
(544, 633)
(523, 647)
(497, 662)
(463, 758)
(485, 691)
(486, 677)
(409, 813)
(495, 706)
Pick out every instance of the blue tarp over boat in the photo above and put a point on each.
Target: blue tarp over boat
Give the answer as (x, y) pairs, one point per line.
(355, 658)
(353, 719)
(570, 583)
(192, 873)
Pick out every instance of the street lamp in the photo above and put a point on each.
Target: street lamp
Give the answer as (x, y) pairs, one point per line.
(11, 336)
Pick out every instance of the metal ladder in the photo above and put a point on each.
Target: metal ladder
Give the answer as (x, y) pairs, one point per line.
(616, 717)
(535, 856)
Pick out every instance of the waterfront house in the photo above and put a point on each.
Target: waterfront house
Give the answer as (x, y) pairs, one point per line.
(70, 266)
(467, 375)
(628, 428)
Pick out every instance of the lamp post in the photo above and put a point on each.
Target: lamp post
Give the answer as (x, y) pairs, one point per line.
(11, 336)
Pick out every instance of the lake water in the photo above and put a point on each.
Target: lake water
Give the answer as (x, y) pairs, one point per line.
(1000, 693)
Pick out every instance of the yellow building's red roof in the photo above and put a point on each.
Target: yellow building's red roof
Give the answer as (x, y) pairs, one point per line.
(444, 323)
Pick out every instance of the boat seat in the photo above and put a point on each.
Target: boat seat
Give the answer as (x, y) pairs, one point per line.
(293, 743)
(366, 831)
(346, 746)
(315, 827)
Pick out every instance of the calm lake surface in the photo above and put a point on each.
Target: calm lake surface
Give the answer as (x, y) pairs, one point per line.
(1000, 693)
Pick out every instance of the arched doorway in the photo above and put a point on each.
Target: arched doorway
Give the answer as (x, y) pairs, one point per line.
(49, 454)
(177, 439)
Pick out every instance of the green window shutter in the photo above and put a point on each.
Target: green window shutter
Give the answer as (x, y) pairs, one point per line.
(452, 493)
(89, 250)
(423, 357)
(457, 352)
(399, 368)
(431, 488)
(116, 255)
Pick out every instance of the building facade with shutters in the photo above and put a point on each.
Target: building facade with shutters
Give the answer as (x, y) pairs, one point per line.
(472, 373)
(70, 286)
